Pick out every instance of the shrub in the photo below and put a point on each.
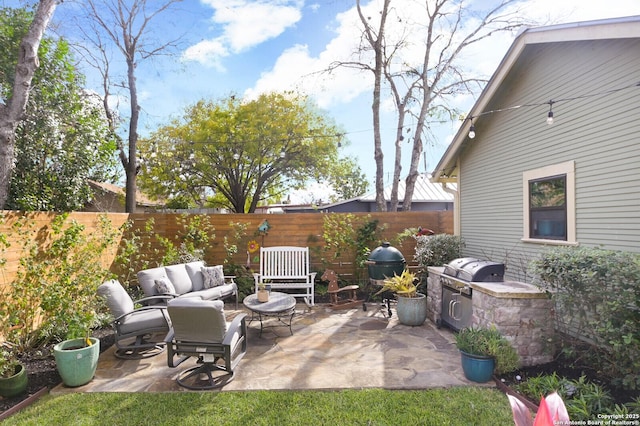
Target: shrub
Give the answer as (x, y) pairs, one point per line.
(53, 294)
(145, 248)
(597, 297)
(349, 239)
(437, 250)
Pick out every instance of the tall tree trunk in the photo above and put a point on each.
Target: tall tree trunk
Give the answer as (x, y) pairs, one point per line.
(11, 112)
(132, 164)
(397, 169)
(376, 41)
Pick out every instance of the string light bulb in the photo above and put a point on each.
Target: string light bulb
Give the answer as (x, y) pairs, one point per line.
(283, 154)
(472, 131)
(550, 114)
(236, 156)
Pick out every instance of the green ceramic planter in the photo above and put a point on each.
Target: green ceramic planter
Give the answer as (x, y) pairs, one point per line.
(77, 366)
(477, 368)
(412, 310)
(14, 385)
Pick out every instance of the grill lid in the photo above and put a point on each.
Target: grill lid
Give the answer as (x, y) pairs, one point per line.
(455, 265)
(384, 262)
(471, 269)
(386, 254)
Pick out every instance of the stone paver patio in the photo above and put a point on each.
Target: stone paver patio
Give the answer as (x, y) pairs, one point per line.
(329, 349)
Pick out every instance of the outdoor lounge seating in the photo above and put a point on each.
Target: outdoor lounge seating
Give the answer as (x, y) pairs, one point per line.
(140, 332)
(284, 267)
(200, 330)
(188, 280)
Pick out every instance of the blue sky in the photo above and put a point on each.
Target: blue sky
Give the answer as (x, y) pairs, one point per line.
(251, 46)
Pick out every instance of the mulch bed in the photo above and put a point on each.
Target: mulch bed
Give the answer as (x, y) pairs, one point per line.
(567, 368)
(42, 372)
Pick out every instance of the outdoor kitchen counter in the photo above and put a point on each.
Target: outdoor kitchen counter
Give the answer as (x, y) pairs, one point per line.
(509, 290)
(520, 311)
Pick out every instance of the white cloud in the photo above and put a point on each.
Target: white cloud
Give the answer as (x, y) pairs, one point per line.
(207, 52)
(297, 69)
(249, 24)
(245, 24)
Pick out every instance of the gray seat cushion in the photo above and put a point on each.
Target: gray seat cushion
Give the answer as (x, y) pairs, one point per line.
(146, 319)
(212, 293)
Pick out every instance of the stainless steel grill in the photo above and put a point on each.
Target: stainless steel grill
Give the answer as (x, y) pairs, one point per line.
(457, 305)
(472, 269)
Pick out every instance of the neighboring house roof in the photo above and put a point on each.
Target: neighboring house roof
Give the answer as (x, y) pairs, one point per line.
(141, 199)
(616, 28)
(424, 191)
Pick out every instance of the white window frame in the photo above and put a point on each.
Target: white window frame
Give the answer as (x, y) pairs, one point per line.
(566, 169)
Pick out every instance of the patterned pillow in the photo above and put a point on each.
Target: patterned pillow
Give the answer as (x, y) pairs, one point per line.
(213, 276)
(164, 286)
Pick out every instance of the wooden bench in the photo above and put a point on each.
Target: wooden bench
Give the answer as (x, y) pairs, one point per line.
(285, 267)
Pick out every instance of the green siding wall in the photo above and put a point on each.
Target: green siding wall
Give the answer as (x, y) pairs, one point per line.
(600, 132)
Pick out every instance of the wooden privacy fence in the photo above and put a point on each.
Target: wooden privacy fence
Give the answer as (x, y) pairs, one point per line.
(300, 229)
(297, 229)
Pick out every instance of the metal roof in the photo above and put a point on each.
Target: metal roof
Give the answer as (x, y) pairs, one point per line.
(424, 191)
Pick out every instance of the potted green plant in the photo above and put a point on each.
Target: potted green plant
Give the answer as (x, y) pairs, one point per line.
(484, 351)
(77, 356)
(13, 375)
(412, 305)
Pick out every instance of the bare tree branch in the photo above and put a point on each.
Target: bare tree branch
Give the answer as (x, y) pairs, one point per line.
(449, 28)
(126, 25)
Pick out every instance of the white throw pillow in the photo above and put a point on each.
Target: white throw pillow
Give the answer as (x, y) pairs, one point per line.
(213, 276)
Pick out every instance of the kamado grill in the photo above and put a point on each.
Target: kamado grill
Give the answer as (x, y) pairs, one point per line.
(384, 262)
(456, 288)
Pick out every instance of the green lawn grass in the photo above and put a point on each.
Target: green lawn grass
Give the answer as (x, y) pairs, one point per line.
(453, 406)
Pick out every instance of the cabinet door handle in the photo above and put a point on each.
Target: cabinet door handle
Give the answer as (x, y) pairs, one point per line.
(453, 310)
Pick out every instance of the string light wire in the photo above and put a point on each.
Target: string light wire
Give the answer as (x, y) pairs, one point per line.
(550, 103)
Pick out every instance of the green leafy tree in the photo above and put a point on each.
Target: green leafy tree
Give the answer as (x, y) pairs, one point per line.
(347, 179)
(15, 85)
(62, 140)
(237, 153)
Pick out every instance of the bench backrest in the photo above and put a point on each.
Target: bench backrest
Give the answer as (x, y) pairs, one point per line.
(284, 262)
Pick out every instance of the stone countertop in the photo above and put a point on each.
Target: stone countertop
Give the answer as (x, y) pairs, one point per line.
(504, 289)
(509, 289)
